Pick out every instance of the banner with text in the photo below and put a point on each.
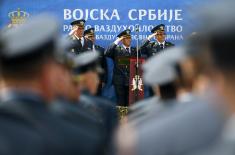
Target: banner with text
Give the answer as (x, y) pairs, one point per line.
(109, 17)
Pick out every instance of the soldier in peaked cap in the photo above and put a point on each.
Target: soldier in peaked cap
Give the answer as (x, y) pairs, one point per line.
(81, 44)
(121, 72)
(220, 45)
(87, 68)
(10, 139)
(151, 48)
(90, 34)
(29, 60)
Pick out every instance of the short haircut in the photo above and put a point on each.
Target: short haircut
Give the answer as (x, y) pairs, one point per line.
(27, 66)
(222, 50)
(168, 91)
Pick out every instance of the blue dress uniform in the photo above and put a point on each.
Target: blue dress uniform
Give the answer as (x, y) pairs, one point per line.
(106, 110)
(103, 62)
(40, 130)
(121, 72)
(104, 66)
(80, 44)
(149, 48)
(57, 136)
(18, 133)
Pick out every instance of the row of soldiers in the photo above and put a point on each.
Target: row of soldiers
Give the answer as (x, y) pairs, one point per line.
(121, 47)
(48, 103)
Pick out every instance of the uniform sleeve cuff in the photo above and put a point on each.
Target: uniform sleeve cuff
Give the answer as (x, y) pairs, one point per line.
(116, 42)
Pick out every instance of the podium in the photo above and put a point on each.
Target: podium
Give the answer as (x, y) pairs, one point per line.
(136, 85)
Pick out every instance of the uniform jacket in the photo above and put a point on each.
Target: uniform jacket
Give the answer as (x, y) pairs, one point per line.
(77, 46)
(150, 48)
(120, 72)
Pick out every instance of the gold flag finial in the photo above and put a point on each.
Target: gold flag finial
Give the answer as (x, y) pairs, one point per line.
(18, 12)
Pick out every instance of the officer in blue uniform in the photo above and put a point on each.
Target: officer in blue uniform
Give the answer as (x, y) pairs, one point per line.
(28, 62)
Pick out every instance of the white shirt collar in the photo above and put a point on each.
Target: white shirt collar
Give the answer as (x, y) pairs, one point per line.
(161, 43)
(127, 47)
(82, 40)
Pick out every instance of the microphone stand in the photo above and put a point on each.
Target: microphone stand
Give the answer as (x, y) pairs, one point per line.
(137, 64)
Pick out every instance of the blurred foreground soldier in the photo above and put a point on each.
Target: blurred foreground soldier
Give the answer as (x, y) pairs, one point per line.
(121, 72)
(173, 132)
(90, 34)
(86, 70)
(221, 47)
(178, 121)
(67, 107)
(11, 141)
(151, 48)
(28, 64)
(81, 43)
(164, 85)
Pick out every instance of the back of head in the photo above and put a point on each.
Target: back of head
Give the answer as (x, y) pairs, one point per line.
(168, 91)
(222, 49)
(218, 31)
(86, 70)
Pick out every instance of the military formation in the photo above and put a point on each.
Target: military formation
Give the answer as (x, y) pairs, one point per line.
(118, 51)
(50, 89)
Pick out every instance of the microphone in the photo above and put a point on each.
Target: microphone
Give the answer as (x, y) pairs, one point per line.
(137, 28)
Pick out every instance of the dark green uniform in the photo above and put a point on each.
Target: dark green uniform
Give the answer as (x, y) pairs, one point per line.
(150, 48)
(78, 48)
(80, 45)
(120, 72)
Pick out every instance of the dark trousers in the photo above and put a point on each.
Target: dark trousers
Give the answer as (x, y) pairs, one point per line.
(122, 94)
